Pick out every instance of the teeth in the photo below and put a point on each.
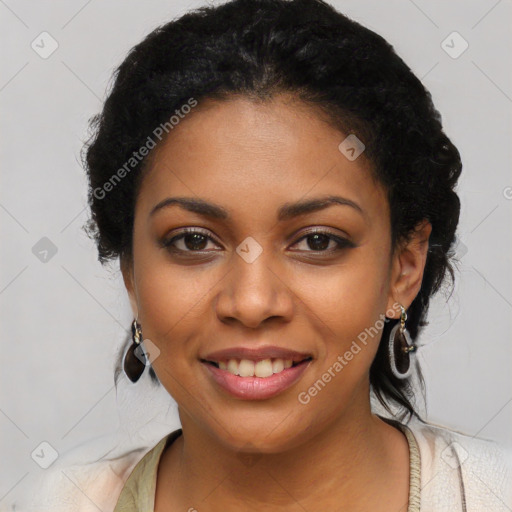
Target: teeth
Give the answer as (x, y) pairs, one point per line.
(277, 365)
(263, 368)
(233, 367)
(247, 368)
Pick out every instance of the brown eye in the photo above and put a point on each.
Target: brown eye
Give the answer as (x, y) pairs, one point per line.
(189, 240)
(318, 241)
(324, 241)
(194, 241)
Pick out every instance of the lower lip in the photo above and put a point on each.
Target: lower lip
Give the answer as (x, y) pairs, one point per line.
(257, 388)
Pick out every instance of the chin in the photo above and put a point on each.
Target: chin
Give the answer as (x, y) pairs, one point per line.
(263, 436)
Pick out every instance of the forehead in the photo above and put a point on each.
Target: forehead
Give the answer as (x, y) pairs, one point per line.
(257, 154)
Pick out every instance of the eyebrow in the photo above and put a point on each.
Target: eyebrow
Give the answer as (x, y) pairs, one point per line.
(286, 211)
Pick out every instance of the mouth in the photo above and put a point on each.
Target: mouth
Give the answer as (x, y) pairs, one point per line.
(246, 379)
(261, 368)
(255, 373)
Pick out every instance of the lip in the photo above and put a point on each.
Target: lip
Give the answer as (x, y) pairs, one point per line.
(256, 354)
(256, 388)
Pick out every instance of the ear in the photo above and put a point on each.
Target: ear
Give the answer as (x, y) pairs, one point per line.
(407, 268)
(128, 278)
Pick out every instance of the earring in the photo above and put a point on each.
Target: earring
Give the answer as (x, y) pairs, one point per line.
(400, 345)
(135, 358)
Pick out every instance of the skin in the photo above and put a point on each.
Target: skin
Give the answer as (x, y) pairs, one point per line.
(250, 158)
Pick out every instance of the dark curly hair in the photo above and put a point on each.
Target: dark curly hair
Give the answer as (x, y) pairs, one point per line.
(257, 49)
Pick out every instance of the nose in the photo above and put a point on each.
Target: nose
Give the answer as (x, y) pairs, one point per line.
(254, 292)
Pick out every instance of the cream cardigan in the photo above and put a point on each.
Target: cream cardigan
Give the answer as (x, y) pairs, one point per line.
(457, 473)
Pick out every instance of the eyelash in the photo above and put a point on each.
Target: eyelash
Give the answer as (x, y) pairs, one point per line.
(342, 243)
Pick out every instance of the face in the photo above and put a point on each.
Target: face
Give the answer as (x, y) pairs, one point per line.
(255, 270)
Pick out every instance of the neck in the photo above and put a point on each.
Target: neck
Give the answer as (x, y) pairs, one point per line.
(350, 463)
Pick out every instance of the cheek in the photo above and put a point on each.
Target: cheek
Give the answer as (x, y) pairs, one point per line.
(170, 315)
(350, 303)
(170, 306)
(170, 298)
(348, 297)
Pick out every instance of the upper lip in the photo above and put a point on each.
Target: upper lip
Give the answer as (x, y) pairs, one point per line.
(256, 354)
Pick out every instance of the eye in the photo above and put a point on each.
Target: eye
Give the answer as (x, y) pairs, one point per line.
(193, 240)
(190, 240)
(319, 240)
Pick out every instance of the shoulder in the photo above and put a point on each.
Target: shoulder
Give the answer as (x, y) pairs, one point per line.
(72, 484)
(457, 468)
(138, 492)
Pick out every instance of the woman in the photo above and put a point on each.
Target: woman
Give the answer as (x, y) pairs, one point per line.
(279, 191)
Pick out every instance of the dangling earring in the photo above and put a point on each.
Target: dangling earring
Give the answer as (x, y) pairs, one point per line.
(135, 358)
(400, 345)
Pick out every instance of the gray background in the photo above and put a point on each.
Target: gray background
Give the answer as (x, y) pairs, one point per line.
(63, 319)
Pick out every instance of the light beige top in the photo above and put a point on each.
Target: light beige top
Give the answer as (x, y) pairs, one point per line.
(138, 493)
(459, 473)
